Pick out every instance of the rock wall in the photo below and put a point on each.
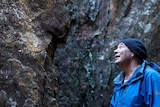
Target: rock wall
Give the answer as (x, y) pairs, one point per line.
(86, 68)
(27, 73)
(60, 52)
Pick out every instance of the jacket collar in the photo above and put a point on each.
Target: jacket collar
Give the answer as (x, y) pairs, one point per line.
(153, 65)
(137, 75)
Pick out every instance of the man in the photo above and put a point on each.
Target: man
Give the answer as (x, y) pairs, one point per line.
(138, 85)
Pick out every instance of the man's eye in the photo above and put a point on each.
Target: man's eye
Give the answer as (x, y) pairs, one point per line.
(120, 47)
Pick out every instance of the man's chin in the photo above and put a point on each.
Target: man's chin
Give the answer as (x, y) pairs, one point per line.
(116, 62)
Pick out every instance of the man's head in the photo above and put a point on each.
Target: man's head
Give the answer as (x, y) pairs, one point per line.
(137, 47)
(131, 47)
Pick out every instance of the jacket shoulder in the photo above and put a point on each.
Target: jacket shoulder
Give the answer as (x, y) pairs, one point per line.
(151, 68)
(150, 73)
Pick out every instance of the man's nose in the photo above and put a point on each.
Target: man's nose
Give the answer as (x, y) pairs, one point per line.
(115, 51)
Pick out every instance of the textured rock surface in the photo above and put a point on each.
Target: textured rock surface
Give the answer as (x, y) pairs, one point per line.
(60, 52)
(85, 73)
(27, 73)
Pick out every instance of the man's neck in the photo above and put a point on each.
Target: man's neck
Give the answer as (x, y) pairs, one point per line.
(129, 69)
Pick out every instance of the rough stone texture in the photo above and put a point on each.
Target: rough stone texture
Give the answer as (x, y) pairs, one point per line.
(85, 73)
(60, 52)
(27, 73)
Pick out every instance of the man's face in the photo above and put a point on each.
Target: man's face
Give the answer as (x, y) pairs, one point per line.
(122, 54)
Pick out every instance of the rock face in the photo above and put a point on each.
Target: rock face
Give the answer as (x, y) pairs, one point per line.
(60, 52)
(28, 41)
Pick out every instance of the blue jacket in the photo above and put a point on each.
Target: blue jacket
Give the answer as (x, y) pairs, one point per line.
(141, 90)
